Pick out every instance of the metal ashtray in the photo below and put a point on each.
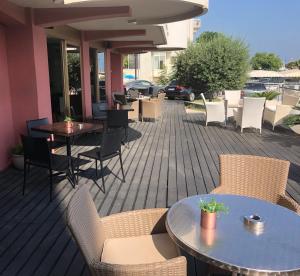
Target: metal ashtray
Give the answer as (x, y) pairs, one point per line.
(255, 224)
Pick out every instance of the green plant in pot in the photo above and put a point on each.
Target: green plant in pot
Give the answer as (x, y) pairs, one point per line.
(293, 122)
(69, 121)
(17, 153)
(269, 95)
(209, 211)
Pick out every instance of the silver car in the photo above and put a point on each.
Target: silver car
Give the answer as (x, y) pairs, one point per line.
(143, 86)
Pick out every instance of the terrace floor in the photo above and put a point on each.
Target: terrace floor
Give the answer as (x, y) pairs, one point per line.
(166, 161)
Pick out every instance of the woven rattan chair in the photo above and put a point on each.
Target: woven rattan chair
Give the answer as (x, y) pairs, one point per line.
(126, 244)
(255, 176)
(215, 111)
(151, 109)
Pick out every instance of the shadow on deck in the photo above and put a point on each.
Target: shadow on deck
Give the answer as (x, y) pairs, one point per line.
(167, 160)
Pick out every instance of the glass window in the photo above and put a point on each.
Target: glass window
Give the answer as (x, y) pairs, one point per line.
(129, 62)
(159, 60)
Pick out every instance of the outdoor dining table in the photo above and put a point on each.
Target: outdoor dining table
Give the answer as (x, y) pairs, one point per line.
(61, 129)
(233, 246)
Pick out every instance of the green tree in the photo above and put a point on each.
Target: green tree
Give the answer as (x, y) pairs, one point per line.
(293, 64)
(164, 77)
(214, 63)
(74, 70)
(266, 61)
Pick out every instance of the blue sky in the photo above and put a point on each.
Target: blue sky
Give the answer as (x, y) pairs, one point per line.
(265, 25)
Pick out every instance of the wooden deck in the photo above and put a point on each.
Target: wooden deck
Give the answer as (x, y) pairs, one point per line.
(167, 160)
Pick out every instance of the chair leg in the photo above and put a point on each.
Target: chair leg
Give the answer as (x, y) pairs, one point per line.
(25, 175)
(51, 183)
(96, 167)
(121, 162)
(102, 175)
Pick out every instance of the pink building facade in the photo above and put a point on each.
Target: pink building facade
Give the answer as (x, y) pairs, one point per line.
(26, 27)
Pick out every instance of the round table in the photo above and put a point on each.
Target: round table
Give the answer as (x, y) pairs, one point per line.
(232, 246)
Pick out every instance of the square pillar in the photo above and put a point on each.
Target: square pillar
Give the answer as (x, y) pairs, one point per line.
(28, 73)
(117, 72)
(108, 88)
(85, 77)
(7, 137)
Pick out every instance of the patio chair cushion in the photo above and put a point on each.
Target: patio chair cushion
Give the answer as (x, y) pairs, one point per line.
(139, 250)
(271, 108)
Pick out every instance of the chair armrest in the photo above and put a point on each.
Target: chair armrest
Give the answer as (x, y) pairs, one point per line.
(289, 203)
(135, 223)
(219, 190)
(173, 267)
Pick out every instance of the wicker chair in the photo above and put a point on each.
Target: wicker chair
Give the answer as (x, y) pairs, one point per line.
(255, 176)
(126, 244)
(215, 111)
(151, 109)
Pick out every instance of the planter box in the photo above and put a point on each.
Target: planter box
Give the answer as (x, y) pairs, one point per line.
(18, 161)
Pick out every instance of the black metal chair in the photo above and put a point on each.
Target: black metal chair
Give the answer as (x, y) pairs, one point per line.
(118, 118)
(54, 143)
(37, 153)
(110, 147)
(36, 123)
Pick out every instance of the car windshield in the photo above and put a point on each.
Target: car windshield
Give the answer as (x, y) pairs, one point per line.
(173, 82)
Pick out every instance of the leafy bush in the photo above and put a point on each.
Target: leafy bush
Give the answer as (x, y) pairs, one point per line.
(292, 120)
(18, 150)
(163, 78)
(269, 95)
(266, 61)
(212, 64)
(213, 206)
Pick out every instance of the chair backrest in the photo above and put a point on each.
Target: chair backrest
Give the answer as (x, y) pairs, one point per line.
(133, 93)
(203, 98)
(117, 118)
(111, 142)
(253, 109)
(255, 176)
(233, 97)
(36, 150)
(290, 99)
(99, 109)
(36, 123)
(85, 225)
(119, 98)
(161, 96)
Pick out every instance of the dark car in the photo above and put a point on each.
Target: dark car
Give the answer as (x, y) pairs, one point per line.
(144, 87)
(174, 90)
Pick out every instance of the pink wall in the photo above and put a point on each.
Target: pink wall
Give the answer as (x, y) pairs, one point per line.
(117, 72)
(108, 88)
(7, 136)
(86, 78)
(29, 74)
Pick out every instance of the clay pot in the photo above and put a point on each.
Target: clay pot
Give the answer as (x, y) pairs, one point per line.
(69, 124)
(208, 236)
(208, 220)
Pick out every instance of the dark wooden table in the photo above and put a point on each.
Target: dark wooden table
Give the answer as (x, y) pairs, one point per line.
(69, 132)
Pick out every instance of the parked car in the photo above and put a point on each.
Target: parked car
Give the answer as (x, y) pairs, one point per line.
(143, 86)
(174, 90)
(251, 88)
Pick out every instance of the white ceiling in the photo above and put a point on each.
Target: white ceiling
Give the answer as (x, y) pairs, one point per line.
(145, 13)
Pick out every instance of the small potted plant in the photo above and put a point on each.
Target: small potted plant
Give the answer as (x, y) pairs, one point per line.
(209, 211)
(17, 154)
(69, 121)
(293, 122)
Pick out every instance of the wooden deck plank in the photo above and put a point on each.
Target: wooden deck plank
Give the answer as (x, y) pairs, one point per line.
(171, 158)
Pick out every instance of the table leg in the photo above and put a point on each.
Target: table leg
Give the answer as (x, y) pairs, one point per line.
(70, 171)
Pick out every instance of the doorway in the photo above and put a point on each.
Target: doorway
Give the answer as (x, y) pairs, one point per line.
(65, 80)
